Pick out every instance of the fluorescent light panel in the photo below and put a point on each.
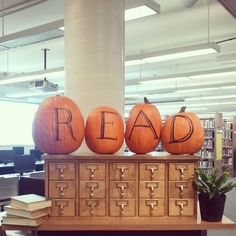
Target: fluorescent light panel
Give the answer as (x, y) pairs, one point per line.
(177, 53)
(153, 81)
(211, 97)
(21, 95)
(138, 12)
(24, 77)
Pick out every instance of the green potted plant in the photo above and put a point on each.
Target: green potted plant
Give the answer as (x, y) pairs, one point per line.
(211, 188)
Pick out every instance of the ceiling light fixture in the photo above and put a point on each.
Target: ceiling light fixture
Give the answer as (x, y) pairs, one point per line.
(176, 53)
(20, 95)
(208, 74)
(24, 77)
(140, 8)
(138, 12)
(153, 81)
(211, 97)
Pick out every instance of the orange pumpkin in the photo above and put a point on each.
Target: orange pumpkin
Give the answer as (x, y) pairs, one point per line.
(182, 133)
(104, 130)
(58, 126)
(143, 128)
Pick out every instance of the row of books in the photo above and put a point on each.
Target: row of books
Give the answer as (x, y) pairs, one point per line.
(29, 210)
(227, 152)
(227, 134)
(206, 124)
(208, 143)
(209, 133)
(206, 164)
(204, 153)
(227, 143)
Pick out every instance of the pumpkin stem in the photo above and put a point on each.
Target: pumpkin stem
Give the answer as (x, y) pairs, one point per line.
(146, 100)
(182, 109)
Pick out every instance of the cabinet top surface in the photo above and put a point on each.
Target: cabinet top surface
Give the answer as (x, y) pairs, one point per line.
(160, 156)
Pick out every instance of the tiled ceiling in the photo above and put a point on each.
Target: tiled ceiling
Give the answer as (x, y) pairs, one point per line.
(180, 23)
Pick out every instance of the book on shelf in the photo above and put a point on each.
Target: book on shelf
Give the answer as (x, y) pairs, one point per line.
(16, 220)
(30, 202)
(27, 214)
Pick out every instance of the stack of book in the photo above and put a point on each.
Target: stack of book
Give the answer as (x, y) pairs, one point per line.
(29, 210)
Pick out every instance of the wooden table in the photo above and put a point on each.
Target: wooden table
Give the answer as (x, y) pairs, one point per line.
(127, 226)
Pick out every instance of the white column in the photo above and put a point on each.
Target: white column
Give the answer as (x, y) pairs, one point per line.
(94, 54)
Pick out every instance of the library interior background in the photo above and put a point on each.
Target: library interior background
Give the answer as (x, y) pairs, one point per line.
(182, 53)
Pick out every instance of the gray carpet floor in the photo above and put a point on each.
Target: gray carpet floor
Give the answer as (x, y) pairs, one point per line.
(230, 212)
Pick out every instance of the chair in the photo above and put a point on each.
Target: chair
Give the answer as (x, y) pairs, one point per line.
(9, 186)
(37, 174)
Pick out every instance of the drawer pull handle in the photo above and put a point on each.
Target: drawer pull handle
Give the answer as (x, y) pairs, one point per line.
(122, 169)
(181, 186)
(122, 187)
(181, 204)
(61, 169)
(92, 205)
(181, 168)
(92, 186)
(152, 170)
(122, 204)
(61, 206)
(152, 187)
(61, 188)
(151, 204)
(92, 169)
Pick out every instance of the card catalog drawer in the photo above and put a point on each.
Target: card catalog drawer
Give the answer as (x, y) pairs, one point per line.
(152, 171)
(61, 171)
(151, 189)
(92, 207)
(92, 189)
(63, 207)
(181, 171)
(181, 207)
(61, 189)
(181, 189)
(151, 207)
(122, 207)
(92, 171)
(122, 171)
(122, 189)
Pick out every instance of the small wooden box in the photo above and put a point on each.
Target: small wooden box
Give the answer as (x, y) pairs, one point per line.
(121, 185)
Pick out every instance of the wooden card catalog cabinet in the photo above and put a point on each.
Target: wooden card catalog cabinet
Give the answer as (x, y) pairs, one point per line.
(121, 186)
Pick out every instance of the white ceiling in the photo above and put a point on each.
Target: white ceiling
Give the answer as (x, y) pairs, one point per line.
(176, 26)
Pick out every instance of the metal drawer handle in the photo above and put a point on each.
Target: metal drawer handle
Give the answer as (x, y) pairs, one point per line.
(122, 169)
(92, 205)
(181, 168)
(122, 187)
(61, 205)
(92, 186)
(152, 187)
(61, 187)
(181, 204)
(181, 186)
(92, 169)
(151, 204)
(122, 204)
(152, 170)
(61, 169)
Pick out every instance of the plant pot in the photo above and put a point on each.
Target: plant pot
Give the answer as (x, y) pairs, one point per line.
(211, 209)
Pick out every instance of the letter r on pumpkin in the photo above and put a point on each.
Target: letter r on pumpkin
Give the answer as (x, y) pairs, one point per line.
(65, 122)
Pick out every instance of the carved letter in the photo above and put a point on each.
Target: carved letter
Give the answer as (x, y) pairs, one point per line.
(103, 125)
(149, 125)
(187, 136)
(66, 122)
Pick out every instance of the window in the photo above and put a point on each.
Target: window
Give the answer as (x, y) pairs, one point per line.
(16, 123)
